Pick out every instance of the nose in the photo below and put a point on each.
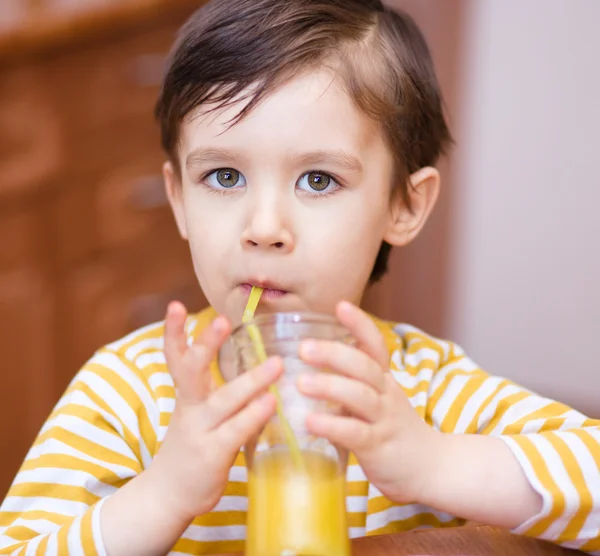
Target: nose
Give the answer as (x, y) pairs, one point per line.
(268, 225)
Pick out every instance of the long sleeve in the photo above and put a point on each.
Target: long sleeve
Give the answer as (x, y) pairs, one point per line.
(557, 447)
(100, 435)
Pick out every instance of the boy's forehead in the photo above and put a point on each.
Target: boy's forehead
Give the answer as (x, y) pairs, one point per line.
(311, 111)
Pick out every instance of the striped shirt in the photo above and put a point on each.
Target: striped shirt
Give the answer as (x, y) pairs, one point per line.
(111, 420)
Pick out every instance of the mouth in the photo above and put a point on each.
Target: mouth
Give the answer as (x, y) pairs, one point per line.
(271, 290)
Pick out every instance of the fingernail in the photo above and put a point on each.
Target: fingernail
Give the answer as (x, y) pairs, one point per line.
(307, 382)
(309, 348)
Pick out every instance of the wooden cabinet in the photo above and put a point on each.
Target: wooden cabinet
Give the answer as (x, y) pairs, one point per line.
(88, 247)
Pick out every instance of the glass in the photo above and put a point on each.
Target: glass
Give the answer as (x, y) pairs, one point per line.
(296, 507)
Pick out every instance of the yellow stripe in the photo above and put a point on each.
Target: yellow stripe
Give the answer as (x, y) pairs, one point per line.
(220, 519)
(60, 492)
(379, 504)
(131, 439)
(156, 332)
(591, 443)
(474, 424)
(503, 406)
(164, 418)
(441, 388)
(572, 466)
(126, 391)
(22, 533)
(421, 386)
(552, 409)
(188, 546)
(419, 520)
(236, 488)
(63, 461)
(552, 424)
(43, 546)
(165, 392)
(87, 534)
(88, 447)
(62, 540)
(357, 488)
(458, 405)
(357, 519)
(6, 518)
(543, 474)
(592, 545)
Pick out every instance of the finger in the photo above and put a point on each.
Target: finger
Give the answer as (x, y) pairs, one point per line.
(344, 359)
(235, 432)
(231, 398)
(365, 331)
(358, 398)
(351, 433)
(175, 340)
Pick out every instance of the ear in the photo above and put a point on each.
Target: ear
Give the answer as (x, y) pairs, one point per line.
(174, 190)
(405, 224)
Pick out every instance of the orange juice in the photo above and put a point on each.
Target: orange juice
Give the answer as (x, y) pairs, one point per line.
(296, 511)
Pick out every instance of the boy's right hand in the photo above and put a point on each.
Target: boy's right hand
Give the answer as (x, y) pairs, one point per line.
(208, 426)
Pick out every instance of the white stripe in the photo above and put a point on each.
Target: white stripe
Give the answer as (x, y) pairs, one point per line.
(43, 504)
(232, 504)
(216, 533)
(519, 411)
(133, 351)
(33, 544)
(400, 513)
(40, 526)
(97, 529)
(355, 473)
(160, 379)
(118, 344)
(87, 431)
(154, 358)
(166, 405)
(6, 541)
(448, 398)
(52, 546)
(238, 474)
(488, 413)
(474, 403)
(79, 397)
(534, 481)
(591, 475)
(74, 537)
(54, 446)
(418, 400)
(356, 504)
(356, 532)
(126, 413)
(408, 381)
(424, 354)
(67, 477)
(463, 364)
(573, 420)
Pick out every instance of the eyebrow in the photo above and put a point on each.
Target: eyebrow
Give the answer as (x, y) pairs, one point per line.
(337, 157)
(202, 155)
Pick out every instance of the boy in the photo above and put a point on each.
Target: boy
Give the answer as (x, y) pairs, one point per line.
(301, 139)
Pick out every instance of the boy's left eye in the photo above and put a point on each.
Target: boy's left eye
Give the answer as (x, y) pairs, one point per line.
(315, 182)
(225, 178)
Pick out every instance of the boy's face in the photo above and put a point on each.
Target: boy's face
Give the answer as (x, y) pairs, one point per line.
(295, 197)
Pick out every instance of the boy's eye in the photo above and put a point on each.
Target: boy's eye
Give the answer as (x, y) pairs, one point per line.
(225, 178)
(315, 181)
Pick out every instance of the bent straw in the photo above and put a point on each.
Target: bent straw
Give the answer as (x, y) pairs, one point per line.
(261, 354)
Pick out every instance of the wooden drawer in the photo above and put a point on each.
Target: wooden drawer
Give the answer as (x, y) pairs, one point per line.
(103, 84)
(17, 238)
(31, 147)
(118, 206)
(110, 297)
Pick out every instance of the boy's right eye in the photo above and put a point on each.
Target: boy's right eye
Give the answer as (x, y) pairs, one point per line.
(225, 178)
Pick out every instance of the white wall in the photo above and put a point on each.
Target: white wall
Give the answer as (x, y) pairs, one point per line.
(526, 280)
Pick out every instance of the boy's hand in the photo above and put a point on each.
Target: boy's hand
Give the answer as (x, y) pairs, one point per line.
(208, 426)
(391, 442)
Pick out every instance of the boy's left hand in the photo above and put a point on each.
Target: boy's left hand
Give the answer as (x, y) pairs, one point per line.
(393, 445)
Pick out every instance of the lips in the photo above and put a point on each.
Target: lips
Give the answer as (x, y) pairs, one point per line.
(271, 290)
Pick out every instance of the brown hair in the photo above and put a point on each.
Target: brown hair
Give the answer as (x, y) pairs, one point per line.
(230, 47)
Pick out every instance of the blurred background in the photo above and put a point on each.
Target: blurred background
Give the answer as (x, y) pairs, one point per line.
(509, 265)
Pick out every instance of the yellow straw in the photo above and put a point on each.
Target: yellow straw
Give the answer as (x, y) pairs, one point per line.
(261, 354)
